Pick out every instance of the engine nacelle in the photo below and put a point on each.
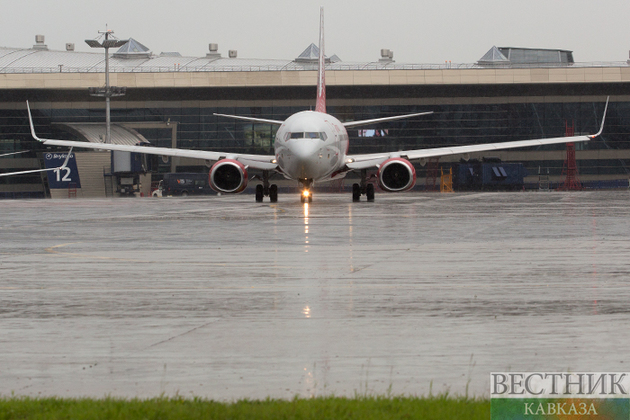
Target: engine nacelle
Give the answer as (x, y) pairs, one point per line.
(396, 174)
(228, 176)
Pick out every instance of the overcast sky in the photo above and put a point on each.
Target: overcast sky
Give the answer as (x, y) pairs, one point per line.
(461, 31)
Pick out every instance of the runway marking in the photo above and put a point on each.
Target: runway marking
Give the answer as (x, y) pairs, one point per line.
(51, 249)
(277, 207)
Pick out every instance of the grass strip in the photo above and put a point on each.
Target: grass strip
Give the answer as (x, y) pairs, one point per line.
(364, 408)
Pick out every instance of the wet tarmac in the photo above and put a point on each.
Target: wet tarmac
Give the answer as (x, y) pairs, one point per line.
(223, 298)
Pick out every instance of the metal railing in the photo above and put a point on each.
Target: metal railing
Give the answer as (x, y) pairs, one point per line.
(298, 67)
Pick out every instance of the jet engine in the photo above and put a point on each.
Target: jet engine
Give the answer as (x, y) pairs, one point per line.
(396, 174)
(228, 176)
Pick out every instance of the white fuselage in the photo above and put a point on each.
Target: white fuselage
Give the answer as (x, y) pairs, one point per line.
(311, 146)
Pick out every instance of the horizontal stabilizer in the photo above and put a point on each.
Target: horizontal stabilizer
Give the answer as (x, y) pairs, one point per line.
(377, 120)
(260, 120)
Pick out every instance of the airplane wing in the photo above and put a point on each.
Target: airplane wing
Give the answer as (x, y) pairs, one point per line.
(65, 162)
(371, 160)
(263, 162)
(14, 153)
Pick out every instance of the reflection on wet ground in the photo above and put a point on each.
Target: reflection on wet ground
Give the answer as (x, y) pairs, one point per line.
(224, 298)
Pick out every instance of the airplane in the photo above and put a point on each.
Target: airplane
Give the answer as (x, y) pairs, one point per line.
(311, 147)
(33, 171)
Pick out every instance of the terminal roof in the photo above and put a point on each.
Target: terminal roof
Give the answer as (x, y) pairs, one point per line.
(136, 57)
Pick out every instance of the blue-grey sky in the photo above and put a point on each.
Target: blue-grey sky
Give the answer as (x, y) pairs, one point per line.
(460, 31)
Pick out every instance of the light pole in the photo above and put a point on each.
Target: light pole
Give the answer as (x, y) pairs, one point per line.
(109, 91)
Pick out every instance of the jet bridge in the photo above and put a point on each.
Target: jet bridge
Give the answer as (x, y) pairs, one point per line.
(95, 133)
(126, 172)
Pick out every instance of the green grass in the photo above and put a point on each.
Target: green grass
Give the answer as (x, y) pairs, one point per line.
(364, 408)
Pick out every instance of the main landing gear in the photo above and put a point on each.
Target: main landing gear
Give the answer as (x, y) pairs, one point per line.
(266, 190)
(365, 187)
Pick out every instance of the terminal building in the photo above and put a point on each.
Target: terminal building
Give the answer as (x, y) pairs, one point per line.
(169, 101)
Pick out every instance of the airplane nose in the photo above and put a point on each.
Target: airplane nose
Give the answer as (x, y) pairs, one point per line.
(306, 149)
(306, 158)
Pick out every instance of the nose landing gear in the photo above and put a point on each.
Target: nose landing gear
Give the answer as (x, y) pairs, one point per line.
(306, 186)
(306, 196)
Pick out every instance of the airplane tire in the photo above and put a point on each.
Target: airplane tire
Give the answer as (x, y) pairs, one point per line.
(273, 193)
(259, 193)
(369, 192)
(356, 192)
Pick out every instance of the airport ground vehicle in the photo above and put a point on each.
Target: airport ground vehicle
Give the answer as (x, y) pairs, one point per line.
(183, 184)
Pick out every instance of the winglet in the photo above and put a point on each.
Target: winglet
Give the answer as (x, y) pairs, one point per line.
(30, 120)
(601, 128)
(320, 106)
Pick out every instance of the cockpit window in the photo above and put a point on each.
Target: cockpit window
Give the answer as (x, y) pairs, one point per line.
(309, 135)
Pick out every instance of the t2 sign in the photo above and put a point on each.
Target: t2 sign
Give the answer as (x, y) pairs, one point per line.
(61, 178)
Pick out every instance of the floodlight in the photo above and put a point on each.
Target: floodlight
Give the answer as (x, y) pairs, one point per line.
(114, 43)
(93, 43)
(108, 91)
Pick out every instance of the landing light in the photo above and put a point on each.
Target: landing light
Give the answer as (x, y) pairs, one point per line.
(306, 193)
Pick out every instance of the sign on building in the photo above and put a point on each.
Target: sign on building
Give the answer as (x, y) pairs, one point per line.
(62, 178)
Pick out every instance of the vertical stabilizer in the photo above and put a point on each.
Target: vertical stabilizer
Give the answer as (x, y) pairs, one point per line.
(321, 79)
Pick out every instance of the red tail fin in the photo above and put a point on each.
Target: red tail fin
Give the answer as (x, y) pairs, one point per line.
(321, 80)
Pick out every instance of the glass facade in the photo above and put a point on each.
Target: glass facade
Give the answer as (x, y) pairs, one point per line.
(537, 56)
(458, 121)
(449, 125)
